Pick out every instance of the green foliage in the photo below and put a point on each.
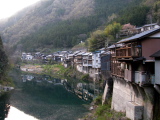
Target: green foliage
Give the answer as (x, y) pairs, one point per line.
(54, 70)
(99, 38)
(4, 67)
(61, 35)
(3, 62)
(79, 46)
(98, 100)
(134, 15)
(85, 77)
(156, 11)
(112, 29)
(60, 11)
(1, 44)
(104, 112)
(96, 40)
(64, 34)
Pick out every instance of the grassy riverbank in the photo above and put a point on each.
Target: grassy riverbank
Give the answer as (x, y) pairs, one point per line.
(103, 112)
(55, 70)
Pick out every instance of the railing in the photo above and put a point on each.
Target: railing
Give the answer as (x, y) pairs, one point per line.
(123, 52)
(90, 58)
(85, 57)
(79, 57)
(128, 52)
(116, 69)
(87, 63)
(79, 61)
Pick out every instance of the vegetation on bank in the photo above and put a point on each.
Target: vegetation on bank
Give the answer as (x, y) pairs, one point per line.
(103, 38)
(104, 112)
(4, 67)
(55, 70)
(59, 71)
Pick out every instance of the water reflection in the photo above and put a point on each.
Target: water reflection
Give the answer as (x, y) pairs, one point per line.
(16, 114)
(45, 98)
(85, 91)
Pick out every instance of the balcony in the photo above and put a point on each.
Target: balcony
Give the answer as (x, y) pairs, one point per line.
(87, 63)
(90, 58)
(79, 61)
(123, 52)
(117, 71)
(85, 57)
(79, 57)
(128, 53)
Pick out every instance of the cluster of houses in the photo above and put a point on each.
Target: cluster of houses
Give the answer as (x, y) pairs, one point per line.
(85, 62)
(132, 62)
(131, 55)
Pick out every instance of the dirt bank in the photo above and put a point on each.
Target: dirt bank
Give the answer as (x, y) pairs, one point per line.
(32, 68)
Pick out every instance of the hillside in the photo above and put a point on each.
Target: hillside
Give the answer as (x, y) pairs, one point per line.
(63, 23)
(42, 13)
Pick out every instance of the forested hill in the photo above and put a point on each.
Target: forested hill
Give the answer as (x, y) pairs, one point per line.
(64, 23)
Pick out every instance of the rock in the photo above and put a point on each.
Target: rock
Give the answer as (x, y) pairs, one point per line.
(91, 108)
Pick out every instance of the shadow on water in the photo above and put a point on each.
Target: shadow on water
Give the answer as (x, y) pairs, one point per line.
(48, 98)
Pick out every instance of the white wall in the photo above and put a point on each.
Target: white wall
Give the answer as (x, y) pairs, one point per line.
(96, 60)
(124, 93)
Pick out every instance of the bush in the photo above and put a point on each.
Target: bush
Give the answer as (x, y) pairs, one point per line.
(85, 77)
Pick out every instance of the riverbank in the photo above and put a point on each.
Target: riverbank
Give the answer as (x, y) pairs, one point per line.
(32, 68)
(97, 111)
(103, 112)
(55, 70)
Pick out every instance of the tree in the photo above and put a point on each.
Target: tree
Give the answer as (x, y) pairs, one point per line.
(96, 40)
(3, 64)
(1, 43)
(112, 29)
(99, 38)
(156, 11)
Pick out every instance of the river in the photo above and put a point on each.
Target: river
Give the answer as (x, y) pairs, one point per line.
(39, 97)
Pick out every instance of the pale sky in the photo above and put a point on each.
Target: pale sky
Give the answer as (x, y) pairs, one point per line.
(10, 7)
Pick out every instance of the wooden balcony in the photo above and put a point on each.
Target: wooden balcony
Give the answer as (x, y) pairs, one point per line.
(123, 52)
(79, 57)
(128, 53)
(117, 71)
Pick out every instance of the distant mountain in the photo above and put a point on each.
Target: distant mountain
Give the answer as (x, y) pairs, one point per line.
(44, 12)
(60, 23)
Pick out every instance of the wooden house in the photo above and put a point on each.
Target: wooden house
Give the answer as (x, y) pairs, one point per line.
(131, 57)
(148, 27)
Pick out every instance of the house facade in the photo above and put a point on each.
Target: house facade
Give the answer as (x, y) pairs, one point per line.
(134, 69)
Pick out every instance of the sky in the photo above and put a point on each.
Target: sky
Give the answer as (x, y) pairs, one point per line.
(10, 7)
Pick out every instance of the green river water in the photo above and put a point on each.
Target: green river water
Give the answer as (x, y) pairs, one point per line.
(46, 98)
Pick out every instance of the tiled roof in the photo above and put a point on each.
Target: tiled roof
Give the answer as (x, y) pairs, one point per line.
(156, 54)
(115, 45)
(140, 35)
(86, 53)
